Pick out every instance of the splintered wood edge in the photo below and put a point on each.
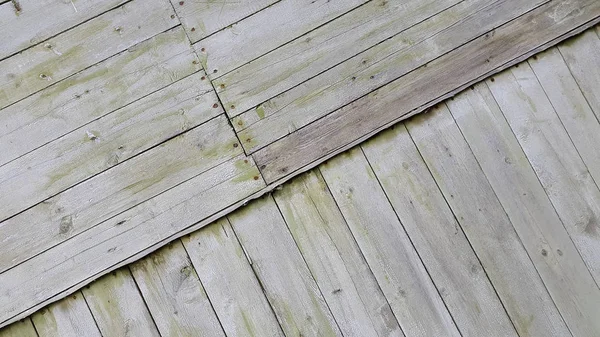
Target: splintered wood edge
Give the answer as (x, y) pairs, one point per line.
(277, 183)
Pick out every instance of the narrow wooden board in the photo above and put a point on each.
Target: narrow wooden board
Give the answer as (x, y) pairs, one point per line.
(83, 46)
(22, 328)
(548, 244)
(334, 258)
(425, 86)
(174, 295)
(485, 224)
(135, 181)
(230, 283)
(203, 18)
(387, 248)
(557, 163)
(75, 262)
(95, 92)
(321, 49)
(118, 307)
(33, 21)
(70, 317)
(279, 266)
(108, 141)
(266, 30)
(438, 239)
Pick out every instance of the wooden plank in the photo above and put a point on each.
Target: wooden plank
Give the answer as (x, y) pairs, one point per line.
(174, 295)
(570, 187)
(386, 247)
(581, 55)
(548, 244)
(333, 257)
(95, 92)
(425, 86)
(203, 18)
(321, 49)
(570, 104)
(278, 264)
(82, 207)
(75, 262)
(70, 317)
(85, 45)
(23, 328)
(438, 239)
(107, 142)
(484, 222)
(248, 39)
(230, 283)
(118, 307)
(24, 23)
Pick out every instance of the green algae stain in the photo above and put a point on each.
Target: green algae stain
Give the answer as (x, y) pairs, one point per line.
(260, 112)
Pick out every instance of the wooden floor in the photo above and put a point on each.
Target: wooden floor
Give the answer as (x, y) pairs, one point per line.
(126, 124)
(478, 218)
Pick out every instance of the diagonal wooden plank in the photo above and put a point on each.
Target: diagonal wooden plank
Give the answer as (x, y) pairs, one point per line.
(46, 17)
(95, 92)
(105, 142)
(334, 258)
(75, 262)
(174, 295)
(485, 223)
(23, 328)
(70, 317)
(425, 86)
(230, 283)
(83, 46)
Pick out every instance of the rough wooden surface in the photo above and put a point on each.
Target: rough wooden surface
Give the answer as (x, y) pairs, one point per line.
(70, 317)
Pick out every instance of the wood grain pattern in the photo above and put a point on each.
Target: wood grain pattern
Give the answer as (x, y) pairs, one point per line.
(22, 328)
(70, 317)
(421, 88)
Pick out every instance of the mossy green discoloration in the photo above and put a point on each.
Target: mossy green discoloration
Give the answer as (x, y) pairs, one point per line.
(247, 171)
(260, 111)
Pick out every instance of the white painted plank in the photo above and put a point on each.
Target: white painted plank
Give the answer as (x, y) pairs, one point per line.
(581, 55)
(506, 167)
(268, 29)
(32, 21)
(425, 86)
(438, 239)
(570, 105)
(105, 195)
(94, 92)
(105, 143)
(202, 18)
(485, 224)
(321, 49)
(230, 283)
(174, 295)
(69, 317)
(554, 158)
(386, 247)
(331, 253)
(75, 262)
(118, 307)
(278, 264)
(85, 45)
(23, 328)
(376, 67)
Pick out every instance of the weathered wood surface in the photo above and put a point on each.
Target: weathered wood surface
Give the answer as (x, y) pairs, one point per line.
(23, 328)
(95, 92)
(425, 86)
(174, 295)
(70, 317)
(266, 30)
(203, 18)
(232, 286)
(110, 140)
(83, 46)
(387, 248)
(118, 307)
(485, 224)
(522, 196)
(288, 283)
(335, 260)
(47, 17)
(135, 181)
